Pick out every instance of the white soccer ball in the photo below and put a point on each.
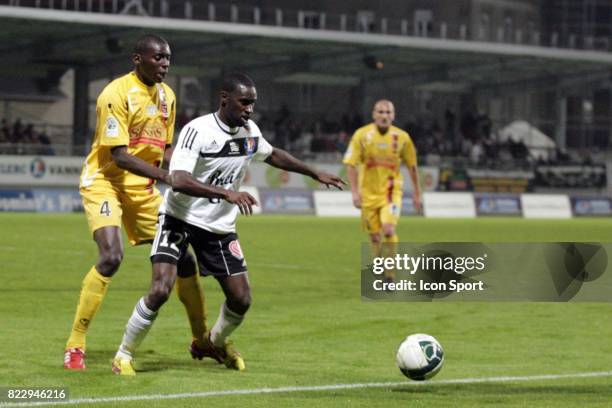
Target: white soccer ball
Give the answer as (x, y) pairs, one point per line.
(420, 357)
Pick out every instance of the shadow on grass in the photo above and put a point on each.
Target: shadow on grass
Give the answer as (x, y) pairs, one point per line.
(153, 361)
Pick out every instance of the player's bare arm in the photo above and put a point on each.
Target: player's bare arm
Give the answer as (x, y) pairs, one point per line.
(133, 164)
(416, 195)
(183, 182)
(283, 160)
(167, 156)
(353, 177)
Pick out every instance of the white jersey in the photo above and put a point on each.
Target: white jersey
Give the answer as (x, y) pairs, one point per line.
(218, 155)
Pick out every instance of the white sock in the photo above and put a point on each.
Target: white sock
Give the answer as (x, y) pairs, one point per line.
(136, 329)
(226, 323)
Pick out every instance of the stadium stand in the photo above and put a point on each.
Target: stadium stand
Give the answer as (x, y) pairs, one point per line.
(459, 80)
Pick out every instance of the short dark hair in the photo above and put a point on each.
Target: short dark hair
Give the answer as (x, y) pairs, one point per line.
(231, 81)
(144, 42)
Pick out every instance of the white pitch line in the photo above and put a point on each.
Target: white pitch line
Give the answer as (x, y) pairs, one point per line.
(314, 388)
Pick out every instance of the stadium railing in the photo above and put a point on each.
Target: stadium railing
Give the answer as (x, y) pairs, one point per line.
(56, 149)
(316, 19)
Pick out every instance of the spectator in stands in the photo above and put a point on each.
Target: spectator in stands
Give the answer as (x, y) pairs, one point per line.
(449, 124)
(45, 142)
(476, 152)
(484, 125)
(281, 131)
(17, 133)
(468, 125)
(28, 134)
(342, 142)
(5, 132)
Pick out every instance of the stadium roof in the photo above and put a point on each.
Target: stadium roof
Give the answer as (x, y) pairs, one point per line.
(38, 43)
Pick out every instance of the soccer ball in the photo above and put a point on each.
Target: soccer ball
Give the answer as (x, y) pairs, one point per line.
(420, 357)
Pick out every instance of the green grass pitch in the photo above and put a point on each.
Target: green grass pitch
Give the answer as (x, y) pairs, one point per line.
(307, 326)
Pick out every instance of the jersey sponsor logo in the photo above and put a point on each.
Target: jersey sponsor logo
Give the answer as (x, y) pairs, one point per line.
(388, 162)
(381, 145)
(216, 179)
(235, 148)
(112, 127)
(151, 134)
(235, 250)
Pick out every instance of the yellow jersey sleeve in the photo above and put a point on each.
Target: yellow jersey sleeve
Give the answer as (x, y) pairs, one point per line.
(354, 153)
(112, 118)
(409, 156)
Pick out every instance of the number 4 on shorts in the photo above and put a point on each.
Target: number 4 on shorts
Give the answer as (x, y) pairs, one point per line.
(105, 209)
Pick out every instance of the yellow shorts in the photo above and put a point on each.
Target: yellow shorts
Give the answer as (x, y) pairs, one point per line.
(107, 206)
(372, 219)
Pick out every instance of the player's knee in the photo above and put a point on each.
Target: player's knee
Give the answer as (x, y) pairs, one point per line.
(159, 294)
(187, 265)
(388, 231)
(240, 302)
(375, 238)
(109, 262)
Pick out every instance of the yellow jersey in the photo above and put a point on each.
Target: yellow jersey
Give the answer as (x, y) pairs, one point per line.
(129, 113)
(378, 159)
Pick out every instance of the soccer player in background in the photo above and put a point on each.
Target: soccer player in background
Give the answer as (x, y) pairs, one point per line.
(210, 160)
(373, 160)
(134, 132)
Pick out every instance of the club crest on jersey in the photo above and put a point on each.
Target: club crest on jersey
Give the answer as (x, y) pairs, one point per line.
(249, 145)
(235, 249)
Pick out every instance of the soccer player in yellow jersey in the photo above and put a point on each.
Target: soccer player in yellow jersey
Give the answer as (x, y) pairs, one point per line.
(133, 136)
(373, 161)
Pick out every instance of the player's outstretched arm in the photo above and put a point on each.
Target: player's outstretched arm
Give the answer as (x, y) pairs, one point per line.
(353, 177)
(133, 164)
(416, 195)
(183, 182)
(283, 160)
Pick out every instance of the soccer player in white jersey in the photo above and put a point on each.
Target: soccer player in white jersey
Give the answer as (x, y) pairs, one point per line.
(209, 162)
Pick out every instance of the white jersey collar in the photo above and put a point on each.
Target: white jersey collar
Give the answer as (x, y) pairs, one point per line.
(224, 127)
